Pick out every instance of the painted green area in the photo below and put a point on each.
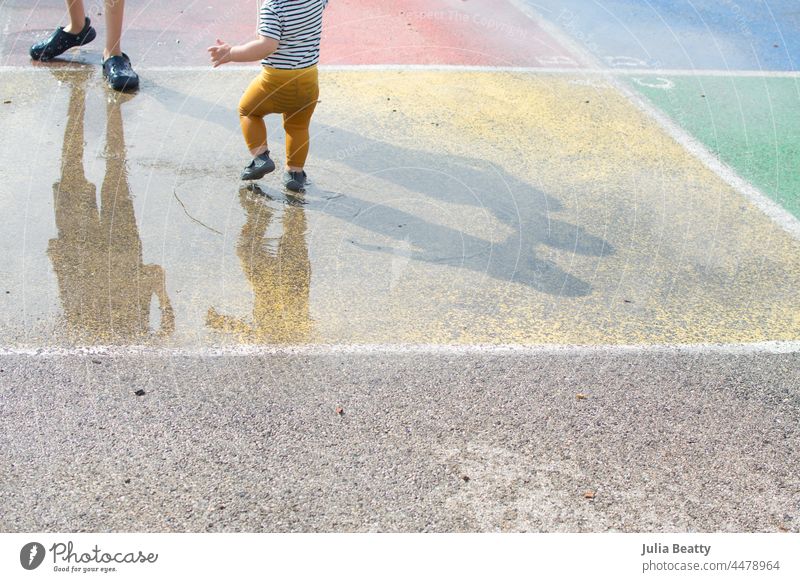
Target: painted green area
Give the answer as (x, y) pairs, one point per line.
(751, 123)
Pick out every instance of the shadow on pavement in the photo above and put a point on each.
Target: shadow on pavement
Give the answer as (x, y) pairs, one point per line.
(451, 179)
(439, 178)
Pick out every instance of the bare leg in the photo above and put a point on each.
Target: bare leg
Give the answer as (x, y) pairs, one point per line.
(115, 10)
(77, 16)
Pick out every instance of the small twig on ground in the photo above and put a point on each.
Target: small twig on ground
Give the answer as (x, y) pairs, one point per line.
(175, 193)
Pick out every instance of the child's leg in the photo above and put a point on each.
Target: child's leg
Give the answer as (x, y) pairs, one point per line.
(253, 106)
(77, 16)
(297, 136)
(115, 10)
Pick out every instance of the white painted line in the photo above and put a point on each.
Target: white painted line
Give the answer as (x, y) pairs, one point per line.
(577, 71)
(584, 57)
(781, 217)
(761, 348)
(702, 73)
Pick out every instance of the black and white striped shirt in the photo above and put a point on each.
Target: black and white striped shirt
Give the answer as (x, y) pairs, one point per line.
(297, 25)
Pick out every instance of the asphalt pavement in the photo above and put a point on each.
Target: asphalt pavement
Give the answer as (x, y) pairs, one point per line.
(560, 440)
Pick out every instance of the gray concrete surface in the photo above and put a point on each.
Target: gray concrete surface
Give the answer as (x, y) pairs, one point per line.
(427, 442)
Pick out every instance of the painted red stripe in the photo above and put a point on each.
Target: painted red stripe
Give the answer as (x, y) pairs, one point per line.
(474, 32)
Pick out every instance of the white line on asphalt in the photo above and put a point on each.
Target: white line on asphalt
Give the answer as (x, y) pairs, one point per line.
(781, 217)
(699, 73)
(577, 71)
(759, 348)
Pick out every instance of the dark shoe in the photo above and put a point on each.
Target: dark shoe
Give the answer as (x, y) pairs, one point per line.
(294, 181)
(259, 167)
(120, 74)
(60, 41)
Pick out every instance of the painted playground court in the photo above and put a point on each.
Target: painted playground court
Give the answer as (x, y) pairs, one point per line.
(490, 179)
(481, 176)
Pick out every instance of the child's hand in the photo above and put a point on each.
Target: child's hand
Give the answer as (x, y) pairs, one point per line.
(220, 53)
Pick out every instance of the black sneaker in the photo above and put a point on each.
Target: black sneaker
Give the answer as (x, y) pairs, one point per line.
(295, 181)
(119, 73)
(259, 167)
(60, 41)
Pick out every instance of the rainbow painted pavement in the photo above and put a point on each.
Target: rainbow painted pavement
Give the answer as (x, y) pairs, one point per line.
(544, 278)
(483, 173)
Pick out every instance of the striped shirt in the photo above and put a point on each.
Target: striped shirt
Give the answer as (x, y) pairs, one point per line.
(297, 26)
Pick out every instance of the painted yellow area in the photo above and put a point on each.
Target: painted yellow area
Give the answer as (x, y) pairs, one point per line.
(445, 208)
(692, 261)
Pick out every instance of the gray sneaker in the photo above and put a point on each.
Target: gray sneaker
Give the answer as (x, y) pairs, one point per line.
(259, 167)
(295, 181)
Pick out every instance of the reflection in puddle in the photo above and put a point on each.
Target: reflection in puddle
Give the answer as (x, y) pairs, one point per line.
(105, 289)
(279, 275)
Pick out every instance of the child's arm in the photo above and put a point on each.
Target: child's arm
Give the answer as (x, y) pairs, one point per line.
(255, 50)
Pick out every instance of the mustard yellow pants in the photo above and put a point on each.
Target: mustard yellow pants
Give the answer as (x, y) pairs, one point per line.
(292, 92)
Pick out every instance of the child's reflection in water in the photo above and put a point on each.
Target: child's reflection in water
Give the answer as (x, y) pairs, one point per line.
(280, 277)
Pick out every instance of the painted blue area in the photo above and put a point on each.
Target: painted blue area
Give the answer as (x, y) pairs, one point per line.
(683, 34)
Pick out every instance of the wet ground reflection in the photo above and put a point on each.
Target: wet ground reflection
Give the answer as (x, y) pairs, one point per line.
(105, 288)
(409, 235)
(279, 273)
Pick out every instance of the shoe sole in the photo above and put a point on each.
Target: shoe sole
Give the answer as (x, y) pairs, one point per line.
(295, 187)
(127, 85)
